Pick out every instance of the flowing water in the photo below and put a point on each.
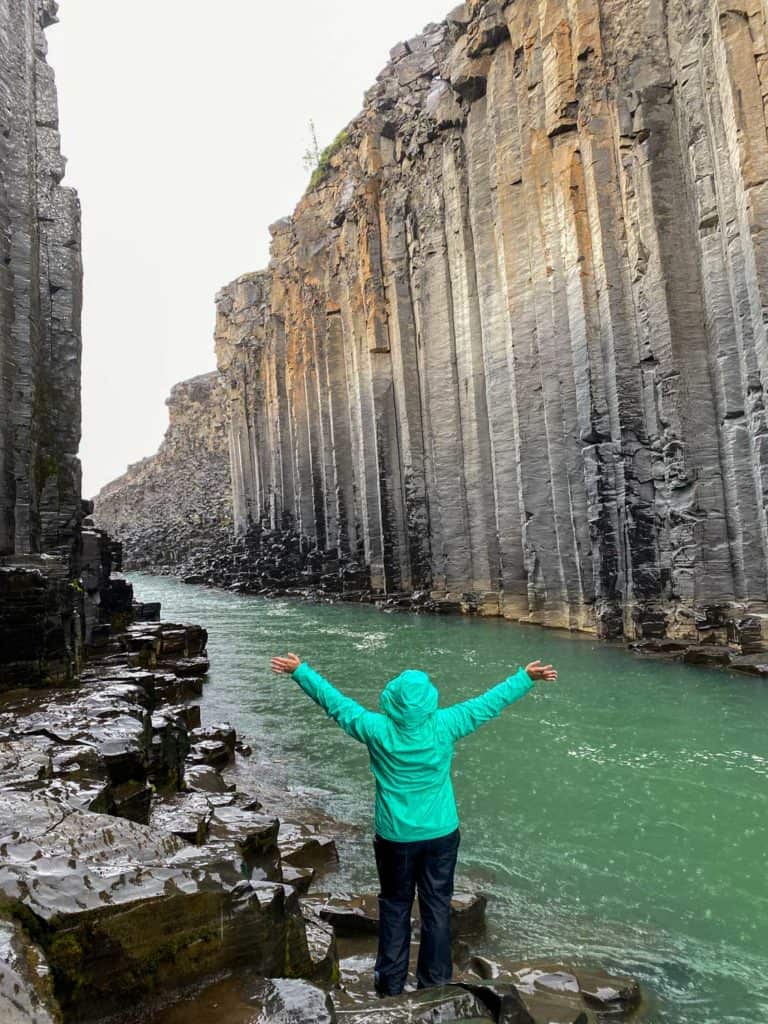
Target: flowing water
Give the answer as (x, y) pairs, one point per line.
(617, 817)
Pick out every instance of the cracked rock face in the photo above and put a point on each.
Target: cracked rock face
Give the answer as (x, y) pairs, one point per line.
(40, 299)
(121, 908)
(40, 343)
(511, 347)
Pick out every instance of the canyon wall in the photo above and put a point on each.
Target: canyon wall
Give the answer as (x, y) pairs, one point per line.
(173, 511)
(511, 347)
(40, 300)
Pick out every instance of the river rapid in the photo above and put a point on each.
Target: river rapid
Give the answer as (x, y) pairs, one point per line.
(615, 818)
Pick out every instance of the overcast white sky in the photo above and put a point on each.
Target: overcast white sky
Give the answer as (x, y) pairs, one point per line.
(184, 124)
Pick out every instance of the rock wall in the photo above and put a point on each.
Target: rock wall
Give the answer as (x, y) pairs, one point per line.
(40, 300)
(173, 511)
(511, 346)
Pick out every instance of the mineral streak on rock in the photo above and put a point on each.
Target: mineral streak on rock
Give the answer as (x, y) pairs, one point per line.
(166, 507)
(511, 348)
(40, 300)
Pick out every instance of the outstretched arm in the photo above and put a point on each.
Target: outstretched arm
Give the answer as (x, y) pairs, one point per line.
(464, 718)
(353, 718)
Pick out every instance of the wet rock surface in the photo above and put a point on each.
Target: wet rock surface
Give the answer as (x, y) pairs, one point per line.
(499, 990)
(26, 985)
(245, 999)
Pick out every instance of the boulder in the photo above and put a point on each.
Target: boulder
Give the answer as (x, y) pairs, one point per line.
(131, 800)
(253, 833)
(561, 993)
(201, 778)
(222, 732)
(304, 848)
(708, 654)
(185, 667)
(484, 967)
(299, 878)
(468, 913)
(351, 917)
(290, 1001)
(213, 753)
(323, 959)
(168, 749)
(186, 815)
(752, 664)
(172, 689)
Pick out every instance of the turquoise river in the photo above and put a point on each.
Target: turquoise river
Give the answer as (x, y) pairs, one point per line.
(617, 817)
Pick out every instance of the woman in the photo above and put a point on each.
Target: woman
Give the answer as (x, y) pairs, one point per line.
(410, 744)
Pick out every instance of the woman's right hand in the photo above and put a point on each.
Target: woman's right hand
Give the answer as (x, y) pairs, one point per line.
(286, 664)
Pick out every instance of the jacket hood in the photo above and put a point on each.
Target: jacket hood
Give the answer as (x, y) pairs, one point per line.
(409, 699)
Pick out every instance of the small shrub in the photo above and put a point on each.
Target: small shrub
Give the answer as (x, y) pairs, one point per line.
(320, 173)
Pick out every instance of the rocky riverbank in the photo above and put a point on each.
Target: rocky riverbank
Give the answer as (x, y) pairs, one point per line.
(135, 868)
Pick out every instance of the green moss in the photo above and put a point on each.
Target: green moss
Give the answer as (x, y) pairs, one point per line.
(65, 956)
(322, 170)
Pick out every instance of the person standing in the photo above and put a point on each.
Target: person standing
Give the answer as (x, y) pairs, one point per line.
(410, 743)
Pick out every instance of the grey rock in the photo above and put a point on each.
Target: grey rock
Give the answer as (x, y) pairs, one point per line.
(291, 1001)
(302, 847)
(169, 508)
(40, 348)
(168, 913)
(448, 1003)
(26, 984)
(203, 779)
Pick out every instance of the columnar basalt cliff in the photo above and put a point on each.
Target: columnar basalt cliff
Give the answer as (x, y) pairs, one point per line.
(511, 346)
(40, 298)
(173, 511)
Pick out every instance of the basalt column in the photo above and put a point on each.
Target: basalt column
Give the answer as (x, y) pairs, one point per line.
(40, 299)
(511, 346)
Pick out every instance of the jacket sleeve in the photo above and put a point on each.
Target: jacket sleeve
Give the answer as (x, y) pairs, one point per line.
(353, 718)
(464, 718)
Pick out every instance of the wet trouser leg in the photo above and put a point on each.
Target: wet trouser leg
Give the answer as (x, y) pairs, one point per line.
(434, 878)
(396, 865)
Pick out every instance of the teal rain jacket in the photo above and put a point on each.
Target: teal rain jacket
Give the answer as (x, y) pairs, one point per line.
(410, 743)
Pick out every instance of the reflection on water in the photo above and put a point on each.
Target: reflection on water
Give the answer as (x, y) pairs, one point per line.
(617, 817)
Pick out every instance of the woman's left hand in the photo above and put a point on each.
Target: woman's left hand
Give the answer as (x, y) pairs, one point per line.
(538, 671)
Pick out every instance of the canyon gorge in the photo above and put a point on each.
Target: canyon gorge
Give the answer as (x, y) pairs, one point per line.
(508, 359)
(509, 354)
